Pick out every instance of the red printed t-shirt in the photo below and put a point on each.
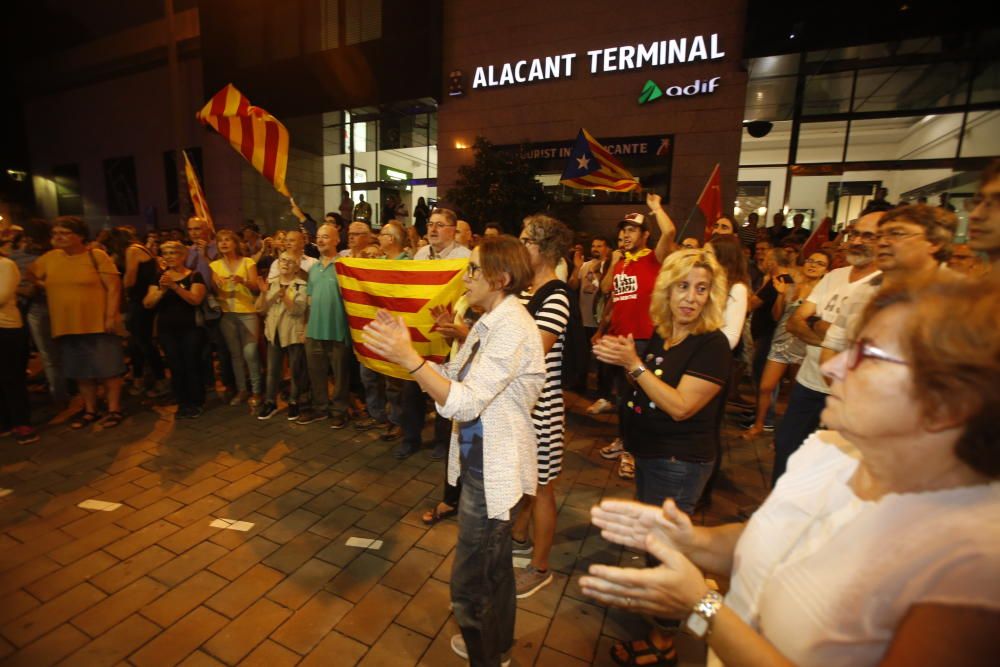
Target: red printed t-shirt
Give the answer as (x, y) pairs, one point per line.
(631, 292)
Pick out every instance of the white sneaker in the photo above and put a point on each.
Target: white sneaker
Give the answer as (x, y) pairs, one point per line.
(601, 406)
(614, 450)
(458, 646)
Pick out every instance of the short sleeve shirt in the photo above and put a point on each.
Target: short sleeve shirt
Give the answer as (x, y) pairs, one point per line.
(327, 318)
(651, 432)
(74, 289)
(631, 293)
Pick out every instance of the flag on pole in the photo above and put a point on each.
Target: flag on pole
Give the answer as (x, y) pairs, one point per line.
(253, 132)
(710, 201)
(198, 201)
(407, 288)
(592, 167)
(819, 236)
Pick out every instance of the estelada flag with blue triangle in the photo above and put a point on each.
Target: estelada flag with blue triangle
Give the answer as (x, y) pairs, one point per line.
(592, 167)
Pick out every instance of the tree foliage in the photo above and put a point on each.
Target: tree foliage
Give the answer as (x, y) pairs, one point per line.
(499, 186)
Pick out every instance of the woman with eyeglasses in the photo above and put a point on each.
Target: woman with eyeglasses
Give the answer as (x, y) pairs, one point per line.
(175, 300)
(785, 349)
(489, 390)
(880, 544)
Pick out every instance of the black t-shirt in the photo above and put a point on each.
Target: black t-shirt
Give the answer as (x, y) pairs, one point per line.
(172, 311)
(652, 433)
(762, 323)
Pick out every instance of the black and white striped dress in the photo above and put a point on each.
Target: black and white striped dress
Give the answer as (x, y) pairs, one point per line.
(548, 416)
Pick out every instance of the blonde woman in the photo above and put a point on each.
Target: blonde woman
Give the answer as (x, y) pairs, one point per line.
(670, 415)
(236, 284)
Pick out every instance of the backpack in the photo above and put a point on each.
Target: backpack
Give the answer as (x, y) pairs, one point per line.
(576, 347)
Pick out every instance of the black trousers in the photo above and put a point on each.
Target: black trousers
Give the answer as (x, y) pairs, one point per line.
(15, 410)
(184, 349)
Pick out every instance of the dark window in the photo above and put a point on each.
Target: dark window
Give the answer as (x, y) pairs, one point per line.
(67, 179)
(170, 174)
(119, 180)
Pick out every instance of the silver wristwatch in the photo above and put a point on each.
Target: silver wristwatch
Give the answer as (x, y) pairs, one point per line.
(637, 371)
(699, 623)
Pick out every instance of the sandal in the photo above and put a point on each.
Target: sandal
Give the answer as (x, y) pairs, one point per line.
(83, 418)
(642, 653)
(113, 419)
(626, 466)
(431, 517)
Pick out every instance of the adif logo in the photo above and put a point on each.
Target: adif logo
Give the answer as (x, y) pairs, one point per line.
(651, 91)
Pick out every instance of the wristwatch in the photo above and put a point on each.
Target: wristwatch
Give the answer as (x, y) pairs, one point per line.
(636, 372)
(699, 623)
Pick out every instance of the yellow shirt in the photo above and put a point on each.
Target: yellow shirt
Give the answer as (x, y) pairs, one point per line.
(10, 316)
(75, 294)
(233, 297)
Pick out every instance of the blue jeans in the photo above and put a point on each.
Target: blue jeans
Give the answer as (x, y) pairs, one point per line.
(240, 333)
(41, 334)
(482, 578)
(657, 479)
(800, 420)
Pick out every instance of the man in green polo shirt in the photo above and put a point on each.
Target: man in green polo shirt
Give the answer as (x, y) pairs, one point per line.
(327, 335)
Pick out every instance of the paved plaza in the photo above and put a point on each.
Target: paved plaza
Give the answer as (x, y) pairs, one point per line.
(149, 577)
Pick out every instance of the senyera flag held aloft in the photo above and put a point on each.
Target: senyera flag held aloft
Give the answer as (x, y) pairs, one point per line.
(592, 167)
(198, 201)
(253, 132)
(404, 287)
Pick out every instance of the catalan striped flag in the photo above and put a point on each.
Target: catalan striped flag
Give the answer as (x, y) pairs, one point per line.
(254, 133)
(404, 287)
(592, 167)
(198, 201)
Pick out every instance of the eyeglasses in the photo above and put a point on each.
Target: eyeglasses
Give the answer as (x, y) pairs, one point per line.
(863, 348)
(972, 203)
(438, 225)
(815, 262)
(865, 237)
(896, 235)
(473, 270)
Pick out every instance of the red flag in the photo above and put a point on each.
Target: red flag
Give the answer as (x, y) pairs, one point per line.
(819, 236)
(710, 201)
(198, 201)
(254, 133)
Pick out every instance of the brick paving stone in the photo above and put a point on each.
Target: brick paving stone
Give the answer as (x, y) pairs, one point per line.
(575, 629)
(242, 506)
(188, 563)
(347, 650)
(413, 569)
(77, 549)
(250, 628)
(428, 609)
(36, 527)
(373, 614)
(116, 608)
(62, 580)
(36, 547)
(398, 540)
(25, 574)
(359, 577)
(195, 511)
(200, 659)
(270, 654)
(371, 496)
(546, 601)
(443, 573)
(148, 514)
(397, 647)
(114, 645)
(548, 657)
(329, 501)
(241, 487)
(529, 634)
(292, 555)
(360, 480)
(190, 494)
(28, 627)
(184, 597)
(96, 520)
(302, 584)
(16, 604)
(383, 517)
(285, 529)
(129, 570)
(194, 534)
(140, 539)
(285, 503)
(179, 640)
(439, 653)
(336, 520)
(412, 492)
(239, 470)
(282, 484)
(440, 538)
(150, 495)
(321, 482)
(243, 558)
(244, 591)
(50, 649)
(307, 626)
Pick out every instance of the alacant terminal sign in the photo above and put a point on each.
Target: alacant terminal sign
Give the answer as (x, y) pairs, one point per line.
(599, 61)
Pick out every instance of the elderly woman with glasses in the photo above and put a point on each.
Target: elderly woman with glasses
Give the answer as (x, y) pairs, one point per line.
(489, 390)
(880, 544)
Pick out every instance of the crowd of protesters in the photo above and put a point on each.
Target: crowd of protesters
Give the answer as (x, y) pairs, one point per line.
(889, 329)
